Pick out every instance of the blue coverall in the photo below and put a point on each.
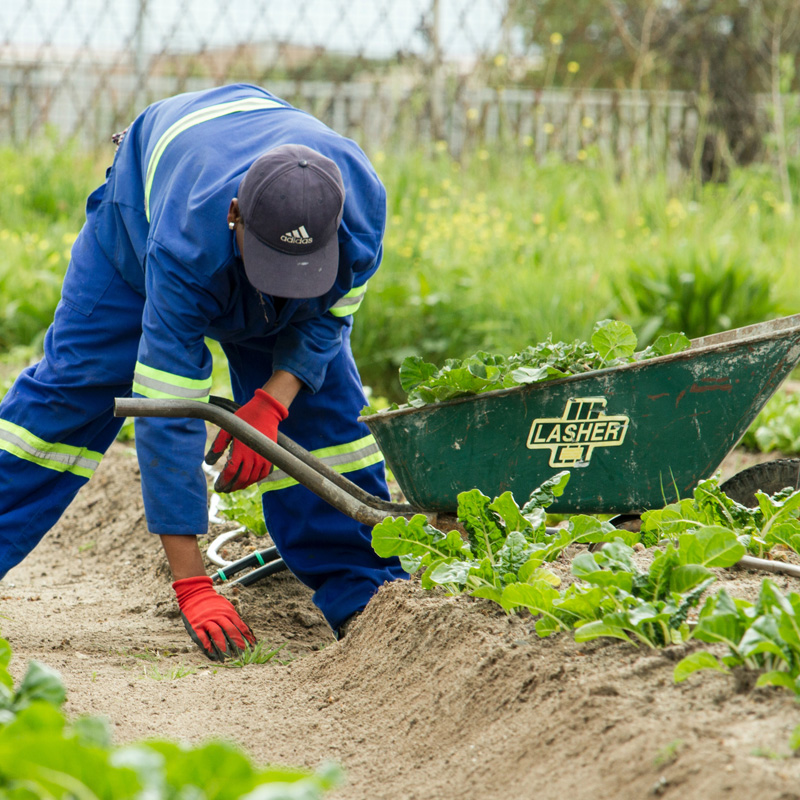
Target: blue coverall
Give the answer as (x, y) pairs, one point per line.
(153, 272)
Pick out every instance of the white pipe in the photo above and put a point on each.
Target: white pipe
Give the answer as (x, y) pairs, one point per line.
(222, 539)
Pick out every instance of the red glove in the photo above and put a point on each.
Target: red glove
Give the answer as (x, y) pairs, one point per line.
(244, 466)
(210, 619)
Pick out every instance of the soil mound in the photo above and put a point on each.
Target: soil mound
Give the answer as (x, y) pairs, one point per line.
(428, 696)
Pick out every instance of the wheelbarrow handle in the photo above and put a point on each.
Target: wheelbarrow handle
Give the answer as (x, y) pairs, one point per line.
(396, 509)
(306, 470)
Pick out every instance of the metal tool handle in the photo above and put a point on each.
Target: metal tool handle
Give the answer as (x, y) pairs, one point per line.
(307, 469)
(397, 509)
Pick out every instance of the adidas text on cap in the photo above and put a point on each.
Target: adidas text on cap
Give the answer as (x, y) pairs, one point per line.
(291, 200)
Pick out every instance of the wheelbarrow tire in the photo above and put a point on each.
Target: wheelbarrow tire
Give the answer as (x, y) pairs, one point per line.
(768, 477)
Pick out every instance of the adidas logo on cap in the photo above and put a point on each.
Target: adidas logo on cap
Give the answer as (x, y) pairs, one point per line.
(299, 236)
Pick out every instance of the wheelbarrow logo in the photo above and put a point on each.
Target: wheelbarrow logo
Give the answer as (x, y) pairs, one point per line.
(572, 437)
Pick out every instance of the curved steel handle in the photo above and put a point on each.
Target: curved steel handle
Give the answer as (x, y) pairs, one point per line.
(307, 470)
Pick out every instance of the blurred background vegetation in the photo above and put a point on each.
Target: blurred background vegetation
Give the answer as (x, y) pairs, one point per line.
(635, 159)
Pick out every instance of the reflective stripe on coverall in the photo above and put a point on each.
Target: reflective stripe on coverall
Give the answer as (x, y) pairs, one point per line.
(56, 422)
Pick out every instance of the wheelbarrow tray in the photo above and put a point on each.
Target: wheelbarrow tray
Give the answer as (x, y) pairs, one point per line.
(633, 437)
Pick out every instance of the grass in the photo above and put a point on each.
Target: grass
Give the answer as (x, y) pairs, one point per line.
(175, 673)
(145, 655)
(259, 654)
(669, 753)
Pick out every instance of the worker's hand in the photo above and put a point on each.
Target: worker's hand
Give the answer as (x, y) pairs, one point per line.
(244, 466)
(210, 619)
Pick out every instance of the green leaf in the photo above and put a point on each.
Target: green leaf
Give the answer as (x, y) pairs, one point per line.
(536, 597)
(600, 628)
(710, 546)
(507, 509)
(720, 627)
(522, 376)
(582, 605)
(529, 568)
(6, 681)
(489, 593)
(40, 683)
(772, 506)
(770, 597)
(762, 636)
(683, 603)
(694, 662)
(779, 678)
(585, 529)
(544, 496)
(539, 575)
(655, 584)
(794, 739)
(475, 514)
(92, 731)
(669, 343)
(5, 654)
(617, 556)
(686, 577)
(483, 571)
(36, 749)
(412, 564)
(786, 533)
(670, 521)
(514, 554)
(414, 371)
(244, 508)
(647, 613)
(397, 536)
(606, 578)
(614, 340)
(450, 571)
(584, 565)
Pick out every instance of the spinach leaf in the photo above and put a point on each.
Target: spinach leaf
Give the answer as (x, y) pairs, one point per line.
(612, 343)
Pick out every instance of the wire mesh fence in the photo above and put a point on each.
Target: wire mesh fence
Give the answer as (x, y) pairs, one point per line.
(387, 72)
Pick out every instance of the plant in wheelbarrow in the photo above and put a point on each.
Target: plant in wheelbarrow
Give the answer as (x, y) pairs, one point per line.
(612, 343)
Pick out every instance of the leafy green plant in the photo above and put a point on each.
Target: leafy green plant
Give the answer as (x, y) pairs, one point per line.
(244, 508)
(777, 426)
(612, 343)
(698, 290)
(505, 545)
(774, 522)
(763, 636)
(43, 754)
(40, 684)
(612, 597)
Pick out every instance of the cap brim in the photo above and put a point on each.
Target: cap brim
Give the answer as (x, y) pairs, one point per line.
(293, 276)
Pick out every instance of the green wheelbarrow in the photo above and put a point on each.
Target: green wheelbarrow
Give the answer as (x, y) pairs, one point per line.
(634, 437)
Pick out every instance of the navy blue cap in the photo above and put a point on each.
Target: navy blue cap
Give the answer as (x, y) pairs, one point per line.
(291, 200)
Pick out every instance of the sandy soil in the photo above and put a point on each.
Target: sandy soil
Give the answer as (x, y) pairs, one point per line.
(428, 696)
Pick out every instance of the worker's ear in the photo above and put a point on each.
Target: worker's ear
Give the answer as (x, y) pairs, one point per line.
(234, 215)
